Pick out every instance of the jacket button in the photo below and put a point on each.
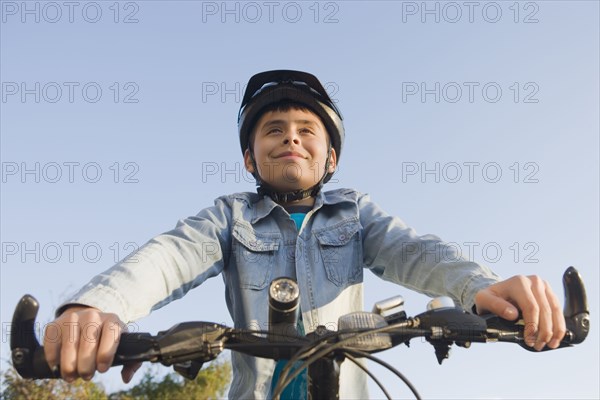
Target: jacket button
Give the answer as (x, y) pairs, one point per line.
(342, 237)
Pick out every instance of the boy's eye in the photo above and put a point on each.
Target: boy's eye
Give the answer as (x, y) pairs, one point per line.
(274, 130)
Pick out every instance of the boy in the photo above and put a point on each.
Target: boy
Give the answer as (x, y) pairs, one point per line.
(291, 136)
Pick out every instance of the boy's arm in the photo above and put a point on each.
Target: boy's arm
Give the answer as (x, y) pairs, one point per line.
(163, 269)
(89, 324)
(426, 264)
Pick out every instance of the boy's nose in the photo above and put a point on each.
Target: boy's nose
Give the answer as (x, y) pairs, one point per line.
(291, 136)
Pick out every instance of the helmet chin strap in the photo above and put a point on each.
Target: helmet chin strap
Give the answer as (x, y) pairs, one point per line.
(264, 189)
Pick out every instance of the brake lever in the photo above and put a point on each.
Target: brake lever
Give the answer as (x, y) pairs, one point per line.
(191, 341)
(188, 345)
(451, 325)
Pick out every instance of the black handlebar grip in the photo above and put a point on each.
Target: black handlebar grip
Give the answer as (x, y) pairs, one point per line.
(576, 312)
(136, 347)
(132, 347)
(27, 354)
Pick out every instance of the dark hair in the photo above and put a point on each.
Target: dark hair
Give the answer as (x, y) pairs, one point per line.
(283, 106)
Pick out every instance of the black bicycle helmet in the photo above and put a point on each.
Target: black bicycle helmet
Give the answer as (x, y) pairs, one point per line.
(270, 87)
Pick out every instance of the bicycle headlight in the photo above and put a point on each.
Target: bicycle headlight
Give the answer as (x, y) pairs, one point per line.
(284, 306)
(284, 294)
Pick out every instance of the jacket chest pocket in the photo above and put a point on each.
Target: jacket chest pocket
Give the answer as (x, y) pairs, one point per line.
(254, 256)
(341, 251)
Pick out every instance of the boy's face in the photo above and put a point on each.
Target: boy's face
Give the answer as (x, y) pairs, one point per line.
(290, 149)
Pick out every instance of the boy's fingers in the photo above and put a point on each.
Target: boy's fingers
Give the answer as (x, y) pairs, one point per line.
(60, 333)
(558, 323)
(527, 303)
(502, 297)
(544, 327)
(488, 301)
(88, 344)
(52, 344)
(70, 344)
(109, 341)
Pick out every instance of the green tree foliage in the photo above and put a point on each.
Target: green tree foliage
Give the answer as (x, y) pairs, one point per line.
(210, 383)
(17, 388)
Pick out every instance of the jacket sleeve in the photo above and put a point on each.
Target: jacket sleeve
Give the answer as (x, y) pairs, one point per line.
(163, 269)
(425, 263)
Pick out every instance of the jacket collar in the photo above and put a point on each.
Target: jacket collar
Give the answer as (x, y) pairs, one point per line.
(265, 205)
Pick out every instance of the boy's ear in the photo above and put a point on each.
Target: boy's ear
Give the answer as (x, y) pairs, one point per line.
(248, 162)
(332, 161)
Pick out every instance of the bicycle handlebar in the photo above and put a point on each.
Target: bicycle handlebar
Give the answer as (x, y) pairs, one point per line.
(188, 345)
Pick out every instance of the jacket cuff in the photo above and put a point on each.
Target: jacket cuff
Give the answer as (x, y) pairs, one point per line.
(103, 298)
(475, 284)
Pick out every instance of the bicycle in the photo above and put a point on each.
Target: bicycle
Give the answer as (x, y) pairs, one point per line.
(186, 346)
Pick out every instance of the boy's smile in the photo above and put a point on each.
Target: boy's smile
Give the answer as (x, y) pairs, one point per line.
(290, 149)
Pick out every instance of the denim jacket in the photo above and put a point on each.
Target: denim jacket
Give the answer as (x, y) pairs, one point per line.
(251, 240)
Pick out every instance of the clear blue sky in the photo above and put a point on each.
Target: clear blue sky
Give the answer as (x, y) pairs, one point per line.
(477, 122)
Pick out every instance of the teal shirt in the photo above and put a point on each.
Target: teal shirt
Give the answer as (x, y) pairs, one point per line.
(298, 388)
(298, 219)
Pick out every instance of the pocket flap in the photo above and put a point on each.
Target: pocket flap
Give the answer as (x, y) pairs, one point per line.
(255, 241)
(338, 235)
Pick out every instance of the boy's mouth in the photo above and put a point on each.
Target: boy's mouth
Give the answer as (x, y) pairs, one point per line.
(289, 154)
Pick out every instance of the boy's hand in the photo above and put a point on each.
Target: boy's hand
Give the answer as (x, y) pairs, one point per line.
(543, 317)
(82, 340)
